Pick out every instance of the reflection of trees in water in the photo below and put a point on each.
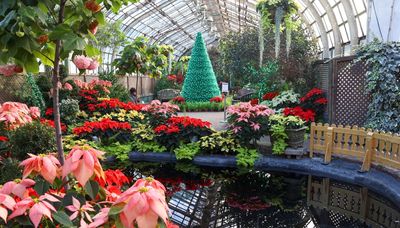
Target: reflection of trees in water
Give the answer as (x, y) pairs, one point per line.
(260, 199)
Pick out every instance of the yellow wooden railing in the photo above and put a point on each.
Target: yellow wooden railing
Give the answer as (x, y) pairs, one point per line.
(369, 147)
(353, 201)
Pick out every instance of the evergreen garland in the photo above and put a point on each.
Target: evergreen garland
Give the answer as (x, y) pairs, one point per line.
(200, 83)
(37, 96)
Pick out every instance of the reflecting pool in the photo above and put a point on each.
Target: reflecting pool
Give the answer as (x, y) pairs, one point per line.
(204, 197)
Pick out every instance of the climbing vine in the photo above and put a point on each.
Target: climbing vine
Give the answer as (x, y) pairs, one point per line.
(383, 83)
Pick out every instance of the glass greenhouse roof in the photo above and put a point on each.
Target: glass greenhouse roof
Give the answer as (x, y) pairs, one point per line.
(338, 25)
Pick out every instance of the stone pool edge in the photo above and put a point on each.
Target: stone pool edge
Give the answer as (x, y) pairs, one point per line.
(339, 169)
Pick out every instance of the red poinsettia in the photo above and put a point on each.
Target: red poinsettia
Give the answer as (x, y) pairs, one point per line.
(216, 99)
(304, 114)
(113, 178)
(322, 101)
(101, 126)
(179, 100)
(3, 139)
(51, 124)
(311, 93)
(270, 96)
(254, 101)
(49, 112)
(113, 104)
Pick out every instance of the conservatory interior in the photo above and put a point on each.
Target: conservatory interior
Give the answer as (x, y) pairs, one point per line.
(200, 113)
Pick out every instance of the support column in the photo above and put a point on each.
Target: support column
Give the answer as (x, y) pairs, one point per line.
(382, 18)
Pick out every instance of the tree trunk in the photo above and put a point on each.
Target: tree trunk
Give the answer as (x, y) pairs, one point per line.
(137, 81)
(56, 79)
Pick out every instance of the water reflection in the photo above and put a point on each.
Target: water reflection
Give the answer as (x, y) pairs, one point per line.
(200, 197)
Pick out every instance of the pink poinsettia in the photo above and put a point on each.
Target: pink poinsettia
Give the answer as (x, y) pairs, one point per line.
(6, 202)
(77, 209)
(45, 165)
(34, 112)
(143, 206)
(16, 114)
(101, 218)
(37, 207)
(82, 62)
(150, 182)
(83, 162)
(68, 86)
(17, 187)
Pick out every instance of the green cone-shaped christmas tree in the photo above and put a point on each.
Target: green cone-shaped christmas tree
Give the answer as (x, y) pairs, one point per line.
(200, 82)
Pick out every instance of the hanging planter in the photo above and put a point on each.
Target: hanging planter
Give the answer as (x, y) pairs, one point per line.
(278, 14)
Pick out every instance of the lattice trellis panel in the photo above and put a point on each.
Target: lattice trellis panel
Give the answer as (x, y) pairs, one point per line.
(350, 103)
(9, 86)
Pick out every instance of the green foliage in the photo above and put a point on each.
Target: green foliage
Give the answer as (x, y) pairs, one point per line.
(246, 157)
(201, 106)
(117, 90)
(187, 151)
(383, 83)
(278, 133)
(164, 83)
(110, 35)
(264, 79)
(219, 142)
(120, 151)
(143, 132)
(200, 83)
(37, 96)
(238, 51)
(141, 56)
(293, 122)
(34, 138)
(147, 146)
(24, 24)
(285, 99)
(69, 109)
(10, 170)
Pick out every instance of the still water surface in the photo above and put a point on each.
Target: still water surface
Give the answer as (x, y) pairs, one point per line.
(204, 197)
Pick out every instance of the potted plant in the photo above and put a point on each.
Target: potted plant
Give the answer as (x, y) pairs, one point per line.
(295, 130)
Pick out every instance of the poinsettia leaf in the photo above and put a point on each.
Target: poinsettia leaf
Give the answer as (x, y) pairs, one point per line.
(92, 188)
(62, 218)
(41, 187)
(116, 209)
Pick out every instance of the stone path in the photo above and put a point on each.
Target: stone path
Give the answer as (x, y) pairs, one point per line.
(214, 118)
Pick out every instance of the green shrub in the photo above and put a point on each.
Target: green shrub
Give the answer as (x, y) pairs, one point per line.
(34, 138)
(202, 106)
(246, 157)
(10, 170)
(69, 110)
(150, 146)
(219, 142)
(119, 91)
(187, 151)
(120, 151)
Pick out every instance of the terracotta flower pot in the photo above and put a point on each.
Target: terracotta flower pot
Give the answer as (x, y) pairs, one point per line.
(296, 137)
